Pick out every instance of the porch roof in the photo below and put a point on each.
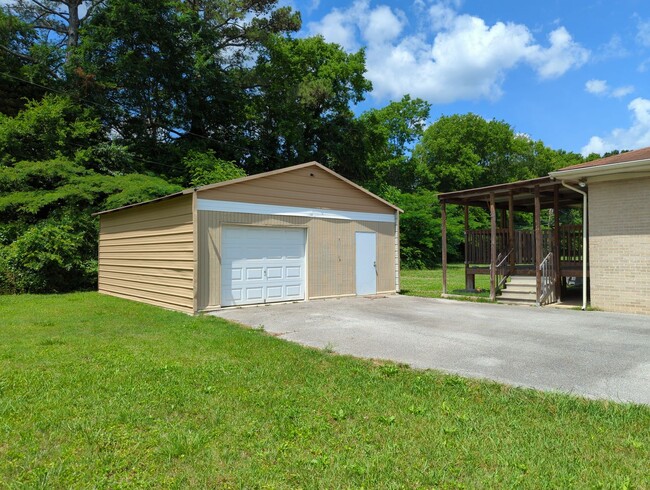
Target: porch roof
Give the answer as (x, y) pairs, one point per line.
(523, 195)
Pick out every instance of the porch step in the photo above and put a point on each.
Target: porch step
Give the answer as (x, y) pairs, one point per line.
(519, 290)
(528, 280)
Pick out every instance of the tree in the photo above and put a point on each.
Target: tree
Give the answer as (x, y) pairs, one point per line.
(464, 151)
(59, 20)
(393, 130)
(300, 108)
(57, 167)
(48, 239)
(173, 74)
(25, 65)
(205, 168)
(45, 129)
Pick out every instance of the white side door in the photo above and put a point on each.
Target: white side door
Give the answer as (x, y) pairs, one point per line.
(262, 265)
(366, 259)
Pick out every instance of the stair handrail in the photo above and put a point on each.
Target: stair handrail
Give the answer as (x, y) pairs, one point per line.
(547, 293)
(503, 272)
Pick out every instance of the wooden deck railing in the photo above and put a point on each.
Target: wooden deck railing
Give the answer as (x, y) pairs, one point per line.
(478, 245)
(571, 243)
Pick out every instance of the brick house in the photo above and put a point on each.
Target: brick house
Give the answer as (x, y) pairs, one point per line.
(609, 253)
(618, 190)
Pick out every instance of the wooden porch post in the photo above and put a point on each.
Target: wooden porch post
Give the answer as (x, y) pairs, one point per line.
(443, 212)
(493, 248)
(538, 244)
(511, 232)
(556, 242)
(469, 281)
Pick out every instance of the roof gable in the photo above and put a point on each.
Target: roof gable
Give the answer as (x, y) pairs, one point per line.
(310, 181)
(309, 184)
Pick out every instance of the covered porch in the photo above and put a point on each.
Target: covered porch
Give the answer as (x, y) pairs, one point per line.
(542, 257)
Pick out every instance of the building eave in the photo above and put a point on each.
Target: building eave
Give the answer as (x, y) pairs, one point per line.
(601, 170)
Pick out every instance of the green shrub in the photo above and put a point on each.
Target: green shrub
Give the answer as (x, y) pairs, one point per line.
(49, 257)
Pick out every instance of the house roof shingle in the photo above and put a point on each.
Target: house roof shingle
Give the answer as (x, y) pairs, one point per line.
(628, 156)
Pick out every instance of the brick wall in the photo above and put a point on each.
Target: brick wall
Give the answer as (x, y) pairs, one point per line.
(619, 245)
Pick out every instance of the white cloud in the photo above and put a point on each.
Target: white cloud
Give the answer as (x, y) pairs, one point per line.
(382, 25)
(622, 91)
(643, 32)
(563, 54)
(636, 136)
(596, 86)
(643, 66)
(449, 57)
(601, 87)
(612, 49)
(442, 16)
(336, 27)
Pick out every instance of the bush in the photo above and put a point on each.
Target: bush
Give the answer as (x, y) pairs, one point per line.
(49, 257)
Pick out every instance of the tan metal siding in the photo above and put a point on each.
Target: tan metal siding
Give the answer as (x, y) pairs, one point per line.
(619, 245)
(309, 187)
(330, 253)
(146, 254)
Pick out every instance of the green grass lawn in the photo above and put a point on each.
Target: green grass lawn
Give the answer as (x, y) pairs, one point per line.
(101, 392)
(428, 283)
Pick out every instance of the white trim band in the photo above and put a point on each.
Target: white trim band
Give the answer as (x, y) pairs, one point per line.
(272, 209)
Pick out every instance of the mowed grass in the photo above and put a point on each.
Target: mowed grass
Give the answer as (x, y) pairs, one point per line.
(101, 392)
(428, 282)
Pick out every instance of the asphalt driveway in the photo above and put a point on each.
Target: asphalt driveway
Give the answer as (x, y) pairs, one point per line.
(593, 354)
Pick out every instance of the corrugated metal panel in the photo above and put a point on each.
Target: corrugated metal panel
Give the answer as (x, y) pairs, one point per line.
(330, 253)
(305, 187)
(146, 254)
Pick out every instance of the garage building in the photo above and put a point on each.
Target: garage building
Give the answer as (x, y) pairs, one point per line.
(302, 232)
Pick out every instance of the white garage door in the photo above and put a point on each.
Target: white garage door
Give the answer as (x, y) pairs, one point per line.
(262, 265)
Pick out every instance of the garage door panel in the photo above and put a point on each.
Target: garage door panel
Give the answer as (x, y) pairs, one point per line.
(294, 291)
(236, 274)
(275, 273)
(262, 265)
(254, 273)
(274, 292)
(293, 272)
(254, 293)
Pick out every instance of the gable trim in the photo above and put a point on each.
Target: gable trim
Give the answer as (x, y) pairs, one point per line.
(276, 210)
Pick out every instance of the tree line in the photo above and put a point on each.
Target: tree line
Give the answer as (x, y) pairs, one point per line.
(105, 103)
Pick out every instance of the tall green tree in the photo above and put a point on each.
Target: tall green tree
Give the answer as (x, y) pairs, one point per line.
(26, 64)
(300, 107)
(173, 74)
(57, 167)
(392, 132)
(49, 128)
(60, 21)
(463, 151)
(206, 168)
(48, 239)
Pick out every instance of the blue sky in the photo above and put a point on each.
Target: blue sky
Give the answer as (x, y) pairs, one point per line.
(571, 73)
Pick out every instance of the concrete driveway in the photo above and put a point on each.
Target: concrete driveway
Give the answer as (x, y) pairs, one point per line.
(593, 354)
